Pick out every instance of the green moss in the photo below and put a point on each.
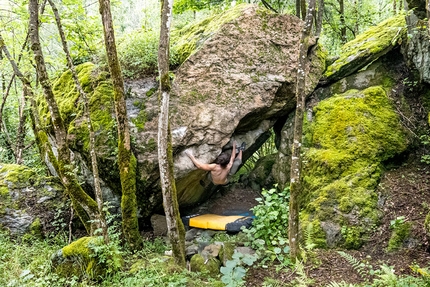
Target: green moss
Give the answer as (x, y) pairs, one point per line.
(353, 237)
(400, 233)
(199, 264)
(367, 47)
(350, 137)
(189, 39)
(88, 256)
(140, 120)
(99, 91)
(16, 174)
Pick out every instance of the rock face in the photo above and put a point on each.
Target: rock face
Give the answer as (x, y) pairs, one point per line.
(352, 128)
(28, 202)
(233, 86)
(417, 48)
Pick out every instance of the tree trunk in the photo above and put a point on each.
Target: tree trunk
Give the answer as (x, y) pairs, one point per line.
(97, 188)
(126, 160)
(64, 165)
(319, 18)
(295, 180)
(298, 8)
(175, 226)
(303, 8)
(342, 22)
(20, 135)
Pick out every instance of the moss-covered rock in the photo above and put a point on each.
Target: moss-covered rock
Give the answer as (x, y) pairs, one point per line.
(28, 200)
(199, 264)
(347, 141)
(366, 48)
(401, 231)
(86, 257)
(190, 38)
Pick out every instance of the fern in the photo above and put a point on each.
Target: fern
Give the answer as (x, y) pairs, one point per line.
(309, 242)
(302, 280)
(363, 269)
(386, 277)
(341, 284)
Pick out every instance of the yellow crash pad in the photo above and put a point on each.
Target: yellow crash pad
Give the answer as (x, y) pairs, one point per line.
(213, 221)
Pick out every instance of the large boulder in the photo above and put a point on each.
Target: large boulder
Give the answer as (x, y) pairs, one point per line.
(30, 204)
(238, 78)
(353, 128)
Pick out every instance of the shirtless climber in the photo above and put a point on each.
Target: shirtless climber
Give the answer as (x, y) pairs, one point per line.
(224, 165)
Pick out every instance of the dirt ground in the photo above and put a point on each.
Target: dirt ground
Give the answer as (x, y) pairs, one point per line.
(407, 191)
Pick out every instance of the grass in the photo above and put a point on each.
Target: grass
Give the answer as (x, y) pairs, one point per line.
(27, 263)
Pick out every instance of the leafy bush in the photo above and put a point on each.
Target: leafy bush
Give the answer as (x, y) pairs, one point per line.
(269, 231)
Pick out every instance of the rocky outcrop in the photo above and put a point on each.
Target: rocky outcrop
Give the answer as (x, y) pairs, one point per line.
(353, 126)
(366, 48)
(233, 85)
(86, 257)
(29, 203)
(417, 48)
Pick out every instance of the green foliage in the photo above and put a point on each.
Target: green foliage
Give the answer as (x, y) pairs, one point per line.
(358, 17)
(401, 231)
(364, 269)
(234, 272)
(425, 141)
(302, 279)
(269, 230)
(267, 148)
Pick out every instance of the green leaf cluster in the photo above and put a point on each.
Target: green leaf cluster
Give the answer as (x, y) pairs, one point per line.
(234, 272)
(269, 230)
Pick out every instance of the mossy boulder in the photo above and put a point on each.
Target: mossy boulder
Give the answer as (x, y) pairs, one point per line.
(238, 76)
(210, 266)
(346, 141)
(29, 201)
(366, 48)
(87, 256)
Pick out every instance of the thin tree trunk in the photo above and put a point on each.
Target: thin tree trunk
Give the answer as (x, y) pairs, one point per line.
(342, 22)
(303, 8)
(97, 188)
(295, 180)
(298, 8)
(64, 164)
(175, 226)
(319, 20)
(394, 7)
(126, 160)
(20, 135)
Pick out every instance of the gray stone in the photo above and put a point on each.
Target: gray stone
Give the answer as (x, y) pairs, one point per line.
(191, 234)
(16, 221)
(159, 225)
(332, 231)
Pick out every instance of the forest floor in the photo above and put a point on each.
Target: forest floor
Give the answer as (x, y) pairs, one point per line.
(408, 194)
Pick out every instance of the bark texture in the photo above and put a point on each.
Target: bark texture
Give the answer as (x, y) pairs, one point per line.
(126, 159)
(64, 165)
(175, 227)
(98, 192)
(295, 184)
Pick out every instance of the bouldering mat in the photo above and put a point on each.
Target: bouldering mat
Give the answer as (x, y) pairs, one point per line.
(230, 223)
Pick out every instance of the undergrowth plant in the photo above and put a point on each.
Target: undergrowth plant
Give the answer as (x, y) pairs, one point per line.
(401, 230)
(269, 230)
(384, 276)
(234, 270)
